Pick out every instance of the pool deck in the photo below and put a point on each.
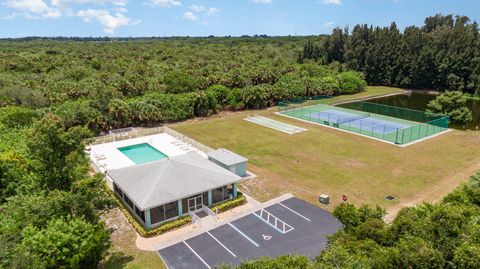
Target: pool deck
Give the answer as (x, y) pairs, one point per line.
(107, 156)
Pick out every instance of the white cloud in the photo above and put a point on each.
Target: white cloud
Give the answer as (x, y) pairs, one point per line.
(121, 9)
(196, 8)
(329, 24)
(69, 3)
(212, 11)
(31, 9)
(34, 6)
(109, 22)
(263, 1)
(333, 2)
(189, 16)
(164, 3)
(204, 10)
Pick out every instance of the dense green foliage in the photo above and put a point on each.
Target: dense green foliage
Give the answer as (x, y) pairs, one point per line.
(453, 104)
(442, 235)
(105, 85)
(49, 204)
(443, 54)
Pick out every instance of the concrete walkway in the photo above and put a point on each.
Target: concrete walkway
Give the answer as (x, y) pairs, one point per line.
(205, 224)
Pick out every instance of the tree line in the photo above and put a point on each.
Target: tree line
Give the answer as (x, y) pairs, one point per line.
(105, 85)
(443, 54)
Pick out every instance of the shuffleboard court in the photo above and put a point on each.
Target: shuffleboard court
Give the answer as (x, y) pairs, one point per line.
(276, 125)
(251, 237)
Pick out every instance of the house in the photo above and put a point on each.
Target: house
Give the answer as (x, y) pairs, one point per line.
(165, 189)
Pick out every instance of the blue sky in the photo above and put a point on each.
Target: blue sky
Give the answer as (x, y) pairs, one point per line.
(213, 17)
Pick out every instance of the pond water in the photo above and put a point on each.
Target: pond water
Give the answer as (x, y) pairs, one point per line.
(419, 101)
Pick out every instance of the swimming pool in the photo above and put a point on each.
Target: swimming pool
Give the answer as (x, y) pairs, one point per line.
(142, 153)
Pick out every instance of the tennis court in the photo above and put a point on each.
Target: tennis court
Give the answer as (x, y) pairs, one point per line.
(291, 226)
(394, 125)
(363, 122)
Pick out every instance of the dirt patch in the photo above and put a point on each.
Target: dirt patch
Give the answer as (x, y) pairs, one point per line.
(123, 253)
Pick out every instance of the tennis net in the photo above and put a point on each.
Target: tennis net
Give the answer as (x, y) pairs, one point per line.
(344, 119)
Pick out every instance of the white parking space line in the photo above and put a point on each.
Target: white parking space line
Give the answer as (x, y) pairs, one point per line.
(300, 215)
(196, 254)
(233, 254)
(278, 224)
(244, 235)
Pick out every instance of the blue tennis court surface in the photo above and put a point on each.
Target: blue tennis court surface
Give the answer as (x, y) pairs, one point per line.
(288, 227)
(362, 121)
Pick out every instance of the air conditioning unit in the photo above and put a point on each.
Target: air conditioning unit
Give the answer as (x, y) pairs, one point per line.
(324, 199)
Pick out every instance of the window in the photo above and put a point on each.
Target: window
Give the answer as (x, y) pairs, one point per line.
(171, 210)
(225, 193)
(185, 205)
(117, 190)
(205, 198)
(140, 213)
(128, 201)
(157, 214)
(217, 195)
(229, 191)
(164, 212)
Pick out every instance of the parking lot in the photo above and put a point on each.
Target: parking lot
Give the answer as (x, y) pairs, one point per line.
(288, 227)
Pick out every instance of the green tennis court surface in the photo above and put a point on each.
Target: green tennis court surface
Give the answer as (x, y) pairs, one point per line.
(392, 124)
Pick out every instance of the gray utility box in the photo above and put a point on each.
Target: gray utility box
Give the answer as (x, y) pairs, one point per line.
(324, 199)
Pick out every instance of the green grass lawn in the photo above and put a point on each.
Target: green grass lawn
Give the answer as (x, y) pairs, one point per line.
(330, 161)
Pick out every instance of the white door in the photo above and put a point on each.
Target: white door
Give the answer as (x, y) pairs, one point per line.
(195, 203)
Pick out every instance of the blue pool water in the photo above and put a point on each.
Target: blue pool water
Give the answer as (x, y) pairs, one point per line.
(142, 153)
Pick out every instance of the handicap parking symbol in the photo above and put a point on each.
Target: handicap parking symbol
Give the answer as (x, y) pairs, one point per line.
(266, 237)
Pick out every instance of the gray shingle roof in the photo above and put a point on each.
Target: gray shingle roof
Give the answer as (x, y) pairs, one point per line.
(170, 179)
(226, 157)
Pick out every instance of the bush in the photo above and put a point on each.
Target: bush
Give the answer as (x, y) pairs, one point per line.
(351, 82)
(71, 243)
(220, 93)
(181, 82)
(224, 206)
(281, 262)
(453, 104)
(258, 96)
(17, 116)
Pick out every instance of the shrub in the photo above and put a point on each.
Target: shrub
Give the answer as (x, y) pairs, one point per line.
(453, 104)
(16, 116)
(351, 82)
(224, 206)
(181, 82)
(70, 243)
